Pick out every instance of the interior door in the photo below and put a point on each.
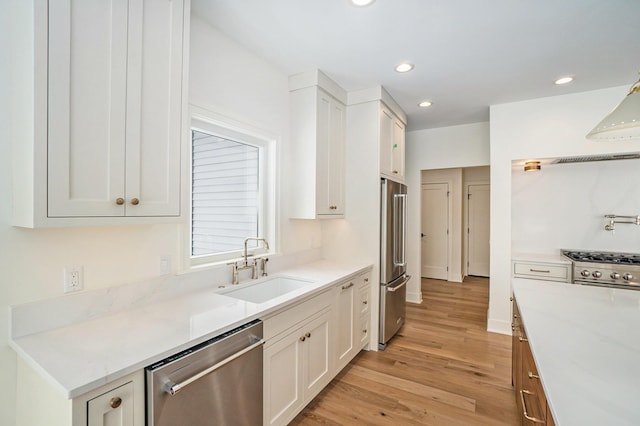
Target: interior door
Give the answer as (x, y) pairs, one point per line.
(435, 230)
(478, 231)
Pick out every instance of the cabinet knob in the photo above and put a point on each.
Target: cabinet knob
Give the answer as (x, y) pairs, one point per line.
(135, 201)
(115, 402)
(307, 335)
(302, 339)
(395, 172)
(364, 302)
(119, 201)
(364, 331)
(366, 280)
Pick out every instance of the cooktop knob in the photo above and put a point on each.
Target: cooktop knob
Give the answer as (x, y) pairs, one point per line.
(627, 277)
(615, 275)
(585, 273)
(597, 274)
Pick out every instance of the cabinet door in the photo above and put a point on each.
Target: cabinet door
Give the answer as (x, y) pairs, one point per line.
(114, 408)
(345, 323)
(154, 105)
(282, 379)
(397, 149)
(330, 151)
(317, 356)
(87, 65)
(386, 140)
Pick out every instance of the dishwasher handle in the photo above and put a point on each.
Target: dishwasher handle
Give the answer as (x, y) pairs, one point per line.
(173, 388)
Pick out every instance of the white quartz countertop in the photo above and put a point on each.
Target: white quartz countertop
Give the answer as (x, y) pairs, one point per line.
(83, 356)
(586, 344)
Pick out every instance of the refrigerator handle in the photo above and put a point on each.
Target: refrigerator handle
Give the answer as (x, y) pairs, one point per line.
(400, 228)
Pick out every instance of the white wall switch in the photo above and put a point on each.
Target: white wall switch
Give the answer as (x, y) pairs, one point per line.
(73, 279)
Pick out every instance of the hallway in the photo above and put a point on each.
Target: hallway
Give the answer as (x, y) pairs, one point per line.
(443, 368)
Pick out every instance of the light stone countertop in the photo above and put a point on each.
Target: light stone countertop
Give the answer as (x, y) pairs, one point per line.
(79, 357)
(586, 344)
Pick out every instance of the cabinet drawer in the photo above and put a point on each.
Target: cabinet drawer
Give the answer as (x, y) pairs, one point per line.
(283, 321)
(364, 296)
(364, 330)
(546, 271)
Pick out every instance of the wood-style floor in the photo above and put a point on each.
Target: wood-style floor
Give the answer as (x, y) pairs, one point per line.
(443, 368)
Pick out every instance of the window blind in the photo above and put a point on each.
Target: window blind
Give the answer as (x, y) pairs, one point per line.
(225, 194)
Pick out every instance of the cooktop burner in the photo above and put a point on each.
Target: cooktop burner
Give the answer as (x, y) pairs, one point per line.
(603, 257)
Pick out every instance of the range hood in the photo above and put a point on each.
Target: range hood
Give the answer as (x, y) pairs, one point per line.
(599, 157)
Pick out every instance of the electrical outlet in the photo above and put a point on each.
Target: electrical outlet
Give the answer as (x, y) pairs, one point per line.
(73, 279)
(164, 268)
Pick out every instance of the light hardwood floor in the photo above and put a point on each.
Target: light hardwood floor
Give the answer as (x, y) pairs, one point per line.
(443, 368)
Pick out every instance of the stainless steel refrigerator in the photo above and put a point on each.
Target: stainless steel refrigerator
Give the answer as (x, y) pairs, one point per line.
(393, 265)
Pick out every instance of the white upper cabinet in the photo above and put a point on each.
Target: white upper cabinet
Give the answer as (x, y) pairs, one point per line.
(114, 108)
(317, 146)
(392, 150)
(376, 122)
(109, 113)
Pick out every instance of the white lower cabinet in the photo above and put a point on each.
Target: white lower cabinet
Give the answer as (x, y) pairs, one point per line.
(297, 365)
(120, 403)
(309, 343)
(346, 318)
(114, 408)
(352, 318)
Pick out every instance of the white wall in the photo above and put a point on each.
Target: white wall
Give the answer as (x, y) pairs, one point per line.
(539, 128)
(442, 148)
(225, 77)
(562, 206)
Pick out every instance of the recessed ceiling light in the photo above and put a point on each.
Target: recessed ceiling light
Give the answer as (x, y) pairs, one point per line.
(362, 3)
(404, 67)
(425, 104)
(564, 80)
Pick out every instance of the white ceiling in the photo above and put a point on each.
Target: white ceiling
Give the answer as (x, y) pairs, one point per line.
(468, 54)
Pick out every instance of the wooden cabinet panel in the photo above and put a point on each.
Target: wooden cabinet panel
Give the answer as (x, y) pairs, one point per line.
(530, 397)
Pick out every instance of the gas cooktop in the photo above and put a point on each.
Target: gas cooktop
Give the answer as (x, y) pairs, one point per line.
(608, 269)
(602, 257)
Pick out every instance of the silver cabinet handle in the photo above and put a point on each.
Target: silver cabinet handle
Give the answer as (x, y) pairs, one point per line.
(524, 408)
(533, 376)
(173, 388)
(344, 287)
(542, 271)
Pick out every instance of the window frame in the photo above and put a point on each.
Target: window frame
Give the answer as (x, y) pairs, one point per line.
(206, 121)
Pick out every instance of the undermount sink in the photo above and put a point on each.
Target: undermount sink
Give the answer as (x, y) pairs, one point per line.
(265, 290)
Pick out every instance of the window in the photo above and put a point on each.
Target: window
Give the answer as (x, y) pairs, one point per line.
(229, 191)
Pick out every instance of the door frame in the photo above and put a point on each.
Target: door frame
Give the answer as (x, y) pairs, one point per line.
(465, 208)
(449, 184)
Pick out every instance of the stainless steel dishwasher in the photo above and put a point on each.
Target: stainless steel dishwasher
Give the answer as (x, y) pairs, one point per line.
(218, 382)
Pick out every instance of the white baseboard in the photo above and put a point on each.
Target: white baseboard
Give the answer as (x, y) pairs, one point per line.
(499, 326)
(414, 297)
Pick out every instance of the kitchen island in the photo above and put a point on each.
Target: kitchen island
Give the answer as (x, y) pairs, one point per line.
(586, 345)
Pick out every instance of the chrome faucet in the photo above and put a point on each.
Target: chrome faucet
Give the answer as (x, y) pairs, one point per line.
(264, 241)
(246, 265)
